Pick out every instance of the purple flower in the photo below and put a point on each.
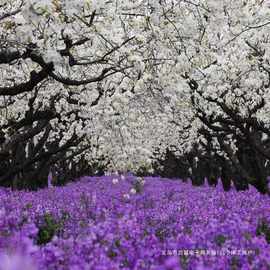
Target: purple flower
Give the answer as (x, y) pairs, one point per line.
(16, 262)
(90, 225)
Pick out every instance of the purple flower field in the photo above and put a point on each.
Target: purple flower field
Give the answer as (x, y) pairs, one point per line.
(115, 222)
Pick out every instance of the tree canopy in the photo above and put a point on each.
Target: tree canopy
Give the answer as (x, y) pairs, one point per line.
(132, 85)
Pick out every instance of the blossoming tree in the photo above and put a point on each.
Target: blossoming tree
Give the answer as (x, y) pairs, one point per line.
(87, 85)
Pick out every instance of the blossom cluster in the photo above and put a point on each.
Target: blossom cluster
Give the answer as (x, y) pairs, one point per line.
(92, 224)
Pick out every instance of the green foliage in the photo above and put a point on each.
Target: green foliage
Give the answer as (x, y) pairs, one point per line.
(220, 239)
(112, 254)
(117, 243)
(183, 262)
(263, 228)
(47, 230)
(50, 227)
(161, 233)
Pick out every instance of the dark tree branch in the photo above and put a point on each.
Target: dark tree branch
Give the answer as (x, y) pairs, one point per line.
(35, 79)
